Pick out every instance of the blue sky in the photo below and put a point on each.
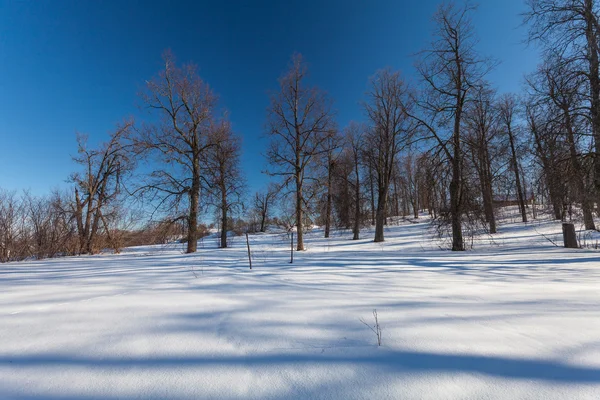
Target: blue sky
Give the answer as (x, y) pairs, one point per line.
(77, 66)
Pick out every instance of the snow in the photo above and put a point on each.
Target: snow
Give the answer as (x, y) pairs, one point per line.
(515, 318)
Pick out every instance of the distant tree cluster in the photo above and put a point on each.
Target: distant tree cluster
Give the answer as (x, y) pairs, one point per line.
(446, 143)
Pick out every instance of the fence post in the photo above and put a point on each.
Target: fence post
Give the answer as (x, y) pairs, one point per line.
(248, 244)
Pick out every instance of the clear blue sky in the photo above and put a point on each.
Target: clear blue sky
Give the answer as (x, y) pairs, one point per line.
(68, 66)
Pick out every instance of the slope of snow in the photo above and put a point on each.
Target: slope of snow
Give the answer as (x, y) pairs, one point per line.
(515, 318)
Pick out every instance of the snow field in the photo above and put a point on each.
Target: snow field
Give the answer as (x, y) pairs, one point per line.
(515, 318)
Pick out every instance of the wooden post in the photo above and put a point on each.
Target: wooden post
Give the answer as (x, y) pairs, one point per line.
(292, 249)
(248, 244)
(569, 237)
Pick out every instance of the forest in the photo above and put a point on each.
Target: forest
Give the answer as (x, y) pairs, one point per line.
(446, 143)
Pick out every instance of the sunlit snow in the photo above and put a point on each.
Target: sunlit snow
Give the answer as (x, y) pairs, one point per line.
(516, 317)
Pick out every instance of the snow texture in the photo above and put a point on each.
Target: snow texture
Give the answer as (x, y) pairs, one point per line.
(515, 318)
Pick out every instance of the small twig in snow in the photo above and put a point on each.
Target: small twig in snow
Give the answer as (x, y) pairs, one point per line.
(375, 328)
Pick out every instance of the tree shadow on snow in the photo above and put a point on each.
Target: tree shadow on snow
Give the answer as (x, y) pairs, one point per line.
(391, 361)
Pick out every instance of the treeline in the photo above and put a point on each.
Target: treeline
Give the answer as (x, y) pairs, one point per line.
(47, 226)
(447, 143)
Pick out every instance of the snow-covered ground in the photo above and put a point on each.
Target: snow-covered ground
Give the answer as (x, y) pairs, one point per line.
(516, 318)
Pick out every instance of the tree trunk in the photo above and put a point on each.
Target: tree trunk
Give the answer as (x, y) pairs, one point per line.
(224, 227)
(488, 205)
(415, 206)
(224, 208)
(455, 215)
(263, 219)
(556, 195)
(380, 215)
(456, 182)
(88, 224)
(90, 248)
(515, 165)
(299, 216)
(192, 239)
(569, 236)
(485, 178)
(372, 195)
(356, 229)
(396, 198)
(328, 206)
(79, 219)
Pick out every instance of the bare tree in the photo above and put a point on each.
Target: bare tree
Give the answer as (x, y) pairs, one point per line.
(355, 133)
(342, 188)
(300, 122)
(64, 237)
(507, 108)
(370, 180)
(408, 176)
(329, 160)
(571, 29)
(224, 179)
(386, 108)
(564, 92)
(561, 92)
(45, 226)
(429, 184)
(13, 234)
(263, 201)
(549, 151)
(185, 105)
(480, 124)
(98, 185)
(451, 71)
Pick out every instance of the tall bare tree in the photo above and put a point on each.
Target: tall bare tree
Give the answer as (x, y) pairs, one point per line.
(355, 134)
(177, 142)
(386, 108)
(480, 124)
(561, 92)
(507, 109)
(548, 151)
(329, 160)
(451, 71)
(223, 175)
(571, 29)
(299, 123)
